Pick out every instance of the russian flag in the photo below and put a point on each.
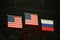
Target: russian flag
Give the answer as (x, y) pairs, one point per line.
(47, 25)
(14, 21)
(31, 19)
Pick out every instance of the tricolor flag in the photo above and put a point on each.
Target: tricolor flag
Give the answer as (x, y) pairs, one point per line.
(47, 25)
(31, 19)
(14, 21)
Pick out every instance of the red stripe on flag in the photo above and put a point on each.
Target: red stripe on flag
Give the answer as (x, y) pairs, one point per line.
(47, 29)
(17, 22)
(33, 20)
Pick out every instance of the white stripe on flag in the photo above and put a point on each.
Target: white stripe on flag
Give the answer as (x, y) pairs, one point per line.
(44, 21)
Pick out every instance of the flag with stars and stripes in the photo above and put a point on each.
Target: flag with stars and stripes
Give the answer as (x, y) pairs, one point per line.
(31, 19)
(14, 21)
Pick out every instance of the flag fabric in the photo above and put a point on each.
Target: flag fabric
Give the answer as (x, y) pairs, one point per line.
(31, 19)
(47, 25)
(14, 21)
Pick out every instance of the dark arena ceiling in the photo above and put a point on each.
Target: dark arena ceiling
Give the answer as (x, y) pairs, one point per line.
(45, 10)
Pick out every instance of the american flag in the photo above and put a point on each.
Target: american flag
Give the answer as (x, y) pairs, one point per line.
(31, 19)
(14, 21)
(47, 25)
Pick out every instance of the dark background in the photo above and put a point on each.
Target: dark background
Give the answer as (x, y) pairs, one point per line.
(46, 9)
